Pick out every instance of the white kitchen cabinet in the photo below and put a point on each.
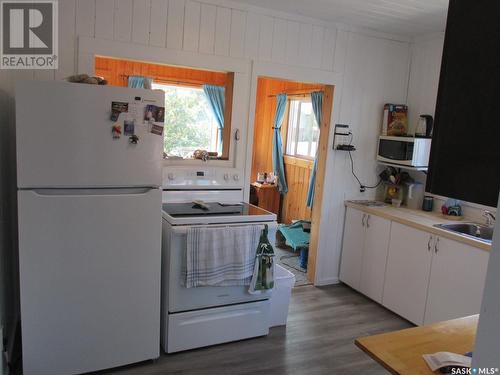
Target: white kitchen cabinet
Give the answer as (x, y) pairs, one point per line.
(364, 252)
(352, 247)
(377, 233)
(457, 279)
(421, 276)
(407, 272)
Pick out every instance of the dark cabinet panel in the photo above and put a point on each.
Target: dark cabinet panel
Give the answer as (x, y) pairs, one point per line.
(465, 154)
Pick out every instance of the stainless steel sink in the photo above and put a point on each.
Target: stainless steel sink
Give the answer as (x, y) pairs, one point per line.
(477, 231)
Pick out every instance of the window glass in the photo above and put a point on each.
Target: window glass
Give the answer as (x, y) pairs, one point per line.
(190, 123)
(302, 133)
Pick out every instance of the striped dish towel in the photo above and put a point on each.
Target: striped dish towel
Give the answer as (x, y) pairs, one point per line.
(221, 256)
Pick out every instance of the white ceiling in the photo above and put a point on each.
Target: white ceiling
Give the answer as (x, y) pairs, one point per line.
(405, 17)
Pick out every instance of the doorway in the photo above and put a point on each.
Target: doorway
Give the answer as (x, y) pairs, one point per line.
(303, 140)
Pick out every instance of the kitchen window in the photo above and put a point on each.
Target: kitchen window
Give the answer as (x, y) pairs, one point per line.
(190, 123)
(198, 104)
(302, 132)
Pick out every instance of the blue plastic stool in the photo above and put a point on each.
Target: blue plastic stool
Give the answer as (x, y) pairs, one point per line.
(304, 252)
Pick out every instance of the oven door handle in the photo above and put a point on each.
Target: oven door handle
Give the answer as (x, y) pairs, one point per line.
(183, 229)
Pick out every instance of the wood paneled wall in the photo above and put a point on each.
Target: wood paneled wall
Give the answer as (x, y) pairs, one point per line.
(297, 171)
(116, 72)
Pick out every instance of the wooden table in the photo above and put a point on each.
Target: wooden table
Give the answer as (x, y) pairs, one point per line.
(269, 196)
(400, 352)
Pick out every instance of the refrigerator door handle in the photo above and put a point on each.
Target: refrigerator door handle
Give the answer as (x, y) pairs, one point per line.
(97, 191)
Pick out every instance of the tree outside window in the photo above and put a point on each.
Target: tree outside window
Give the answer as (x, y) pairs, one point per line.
(302, 131)
(189, 121)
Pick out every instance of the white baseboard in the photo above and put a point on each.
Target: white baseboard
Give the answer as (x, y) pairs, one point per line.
(327, 281)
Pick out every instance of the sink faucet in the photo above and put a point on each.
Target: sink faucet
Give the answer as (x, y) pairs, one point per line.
(490, 218)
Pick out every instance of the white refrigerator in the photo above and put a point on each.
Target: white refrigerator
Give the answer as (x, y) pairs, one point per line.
(89, 211)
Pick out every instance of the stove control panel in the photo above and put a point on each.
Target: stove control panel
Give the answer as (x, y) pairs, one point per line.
(195, 177)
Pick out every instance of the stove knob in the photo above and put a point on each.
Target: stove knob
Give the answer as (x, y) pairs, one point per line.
(236, 177)
(171, 176)
(226, 176)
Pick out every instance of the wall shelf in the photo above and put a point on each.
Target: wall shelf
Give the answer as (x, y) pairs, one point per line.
(421, 169)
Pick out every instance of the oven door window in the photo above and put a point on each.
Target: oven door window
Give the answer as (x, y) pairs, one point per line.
(395, 150)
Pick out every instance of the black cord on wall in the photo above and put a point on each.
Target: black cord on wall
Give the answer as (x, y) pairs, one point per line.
(362, 187)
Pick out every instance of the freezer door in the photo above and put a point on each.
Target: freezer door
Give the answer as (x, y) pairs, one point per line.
(64, 137)
(89, 279)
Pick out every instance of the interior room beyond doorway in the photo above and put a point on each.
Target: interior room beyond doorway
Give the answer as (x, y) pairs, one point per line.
(300, 141)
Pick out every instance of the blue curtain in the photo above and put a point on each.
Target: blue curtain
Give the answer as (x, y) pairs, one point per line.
(317, 104)
(139, 82)
(278, 166)
(217, 99)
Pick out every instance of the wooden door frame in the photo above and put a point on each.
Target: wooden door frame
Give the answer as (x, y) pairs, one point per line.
(332, 81)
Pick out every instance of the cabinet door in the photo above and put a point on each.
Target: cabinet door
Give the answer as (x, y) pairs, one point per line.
(407, 272)
(375, 257)
(352, 248)
(456, 283)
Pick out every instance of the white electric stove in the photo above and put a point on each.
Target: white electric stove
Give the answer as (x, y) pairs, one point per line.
(197, 317)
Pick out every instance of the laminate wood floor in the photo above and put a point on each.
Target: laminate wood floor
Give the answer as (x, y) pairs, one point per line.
(318, 339)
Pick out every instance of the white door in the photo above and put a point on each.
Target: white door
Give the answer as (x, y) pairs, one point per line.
(64, 137)
(89, 279)
(456, 285)
(375, 256)
(352, 247)
(407, 272)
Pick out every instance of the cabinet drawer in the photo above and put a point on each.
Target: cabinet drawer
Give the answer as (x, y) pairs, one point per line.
(195, 329)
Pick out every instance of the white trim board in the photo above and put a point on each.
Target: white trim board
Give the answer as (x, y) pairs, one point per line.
(328, 281)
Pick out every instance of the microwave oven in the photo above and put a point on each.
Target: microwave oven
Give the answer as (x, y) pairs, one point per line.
(404, 151)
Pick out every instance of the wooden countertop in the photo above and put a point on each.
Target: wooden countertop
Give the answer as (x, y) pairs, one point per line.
(419, 220)
(400, 352)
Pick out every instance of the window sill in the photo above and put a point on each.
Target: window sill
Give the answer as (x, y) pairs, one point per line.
(301, 162)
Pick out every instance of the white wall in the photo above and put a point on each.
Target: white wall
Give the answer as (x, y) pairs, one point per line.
(373, 68)
(426, 53)
(487, 348)
(375, 71)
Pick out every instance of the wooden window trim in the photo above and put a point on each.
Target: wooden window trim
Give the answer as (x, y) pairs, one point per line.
(300, 162)
(178, 83)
